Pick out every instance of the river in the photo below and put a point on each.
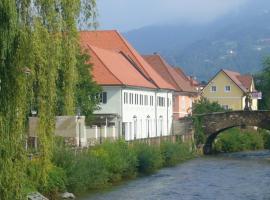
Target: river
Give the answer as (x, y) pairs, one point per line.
(229, 176)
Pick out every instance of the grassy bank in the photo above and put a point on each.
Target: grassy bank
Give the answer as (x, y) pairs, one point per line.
(109, 163)
(236, 139)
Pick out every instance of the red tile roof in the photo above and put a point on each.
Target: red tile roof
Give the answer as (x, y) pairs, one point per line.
(113, 41)
(180, 82)
(112, 68)
(242, 81)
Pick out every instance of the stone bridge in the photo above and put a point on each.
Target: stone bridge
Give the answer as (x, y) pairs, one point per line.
(215, 123)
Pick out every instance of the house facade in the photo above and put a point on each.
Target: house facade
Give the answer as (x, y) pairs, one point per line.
(135, 98)
(230, 88)
(185, 92)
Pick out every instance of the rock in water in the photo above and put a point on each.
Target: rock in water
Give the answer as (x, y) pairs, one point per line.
(67, 195)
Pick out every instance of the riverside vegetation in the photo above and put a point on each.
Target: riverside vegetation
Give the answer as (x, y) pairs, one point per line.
(236, 139)
(101, 166)
(232, 140)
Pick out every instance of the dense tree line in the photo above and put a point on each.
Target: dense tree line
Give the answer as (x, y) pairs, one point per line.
(40, 66)
(262, 82)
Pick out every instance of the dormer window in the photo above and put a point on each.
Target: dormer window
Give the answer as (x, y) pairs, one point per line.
(213, 88)
(227, 88)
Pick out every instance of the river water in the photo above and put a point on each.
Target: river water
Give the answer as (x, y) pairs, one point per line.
(229, 176)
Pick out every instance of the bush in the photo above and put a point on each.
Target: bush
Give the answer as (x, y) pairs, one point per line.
(110, 162)
(84, 170)
(174, 153)
(266, 138)
(235, 140)
(120, 161)
(56, 182)
(149, 157)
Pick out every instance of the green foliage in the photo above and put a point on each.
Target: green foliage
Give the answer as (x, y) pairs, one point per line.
(111, 162)
(39, 37)
(86, 88)
(84, 170)
(235, 139)
(266, 138)
(204, 106)
(174, 153)
(199, 135)
(149, 157)
(262, 83)
(120, 161)
(56, 182)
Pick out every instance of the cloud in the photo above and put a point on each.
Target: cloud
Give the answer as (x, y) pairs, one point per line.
(131, 14)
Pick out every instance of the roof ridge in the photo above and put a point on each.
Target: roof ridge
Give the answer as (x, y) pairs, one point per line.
(133, 63)
(111, 30)
(104, 63)
(125, 42)
(166, 67)
(232, 78)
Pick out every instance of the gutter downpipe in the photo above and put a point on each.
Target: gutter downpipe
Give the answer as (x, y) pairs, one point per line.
(121, 113)
(167, 113)
(156, 112)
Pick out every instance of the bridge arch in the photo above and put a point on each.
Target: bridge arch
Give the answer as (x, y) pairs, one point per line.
(215, 123)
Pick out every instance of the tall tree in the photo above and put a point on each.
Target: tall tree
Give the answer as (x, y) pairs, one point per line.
(262, 82)
(38, 38)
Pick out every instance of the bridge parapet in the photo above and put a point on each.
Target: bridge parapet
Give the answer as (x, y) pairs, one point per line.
(215, 123)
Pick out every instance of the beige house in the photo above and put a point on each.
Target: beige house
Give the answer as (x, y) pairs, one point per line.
(230, 89)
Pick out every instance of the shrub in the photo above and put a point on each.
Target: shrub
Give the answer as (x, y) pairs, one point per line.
(120, 160)
(88, 172)
(149, 157)
(266, 138)
(235, 139)
(56, 182)
(174, 153)
(83, 170)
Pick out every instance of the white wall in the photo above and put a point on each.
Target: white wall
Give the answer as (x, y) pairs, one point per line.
(113, 105)
(137, 117)
(139, 121)
(149, 120)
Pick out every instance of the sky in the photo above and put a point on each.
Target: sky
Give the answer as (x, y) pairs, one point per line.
(125, 15)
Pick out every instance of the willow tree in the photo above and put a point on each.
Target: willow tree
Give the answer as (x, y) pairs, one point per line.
(38, 38)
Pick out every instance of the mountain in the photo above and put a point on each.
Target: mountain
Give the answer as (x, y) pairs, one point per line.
(238, 41)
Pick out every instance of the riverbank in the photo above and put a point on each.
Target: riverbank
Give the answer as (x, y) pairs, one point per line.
(243, 175)
(99, 167)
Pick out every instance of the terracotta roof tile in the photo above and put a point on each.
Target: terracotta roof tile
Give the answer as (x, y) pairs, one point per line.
(112, 40)
(112, 68)
(243, 81)
(169, 73)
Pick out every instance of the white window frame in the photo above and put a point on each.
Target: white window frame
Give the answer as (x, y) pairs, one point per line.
(211, 89)
(225, 88)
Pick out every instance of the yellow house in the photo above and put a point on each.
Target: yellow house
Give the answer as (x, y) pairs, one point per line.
(230, 88)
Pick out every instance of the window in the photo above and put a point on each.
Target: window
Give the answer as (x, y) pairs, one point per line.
(183, 103)
(102, 97)
(227, 88)
(161, 101)
(213, 88)
(151, 100)
(226, 107)
(136, 99)
(141, 99)
(125, 97)
(146, 100)
(130, 98)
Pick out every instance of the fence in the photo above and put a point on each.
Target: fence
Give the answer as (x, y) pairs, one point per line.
(77, 134)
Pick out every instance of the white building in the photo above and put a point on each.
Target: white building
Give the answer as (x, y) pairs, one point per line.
(135, 98)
